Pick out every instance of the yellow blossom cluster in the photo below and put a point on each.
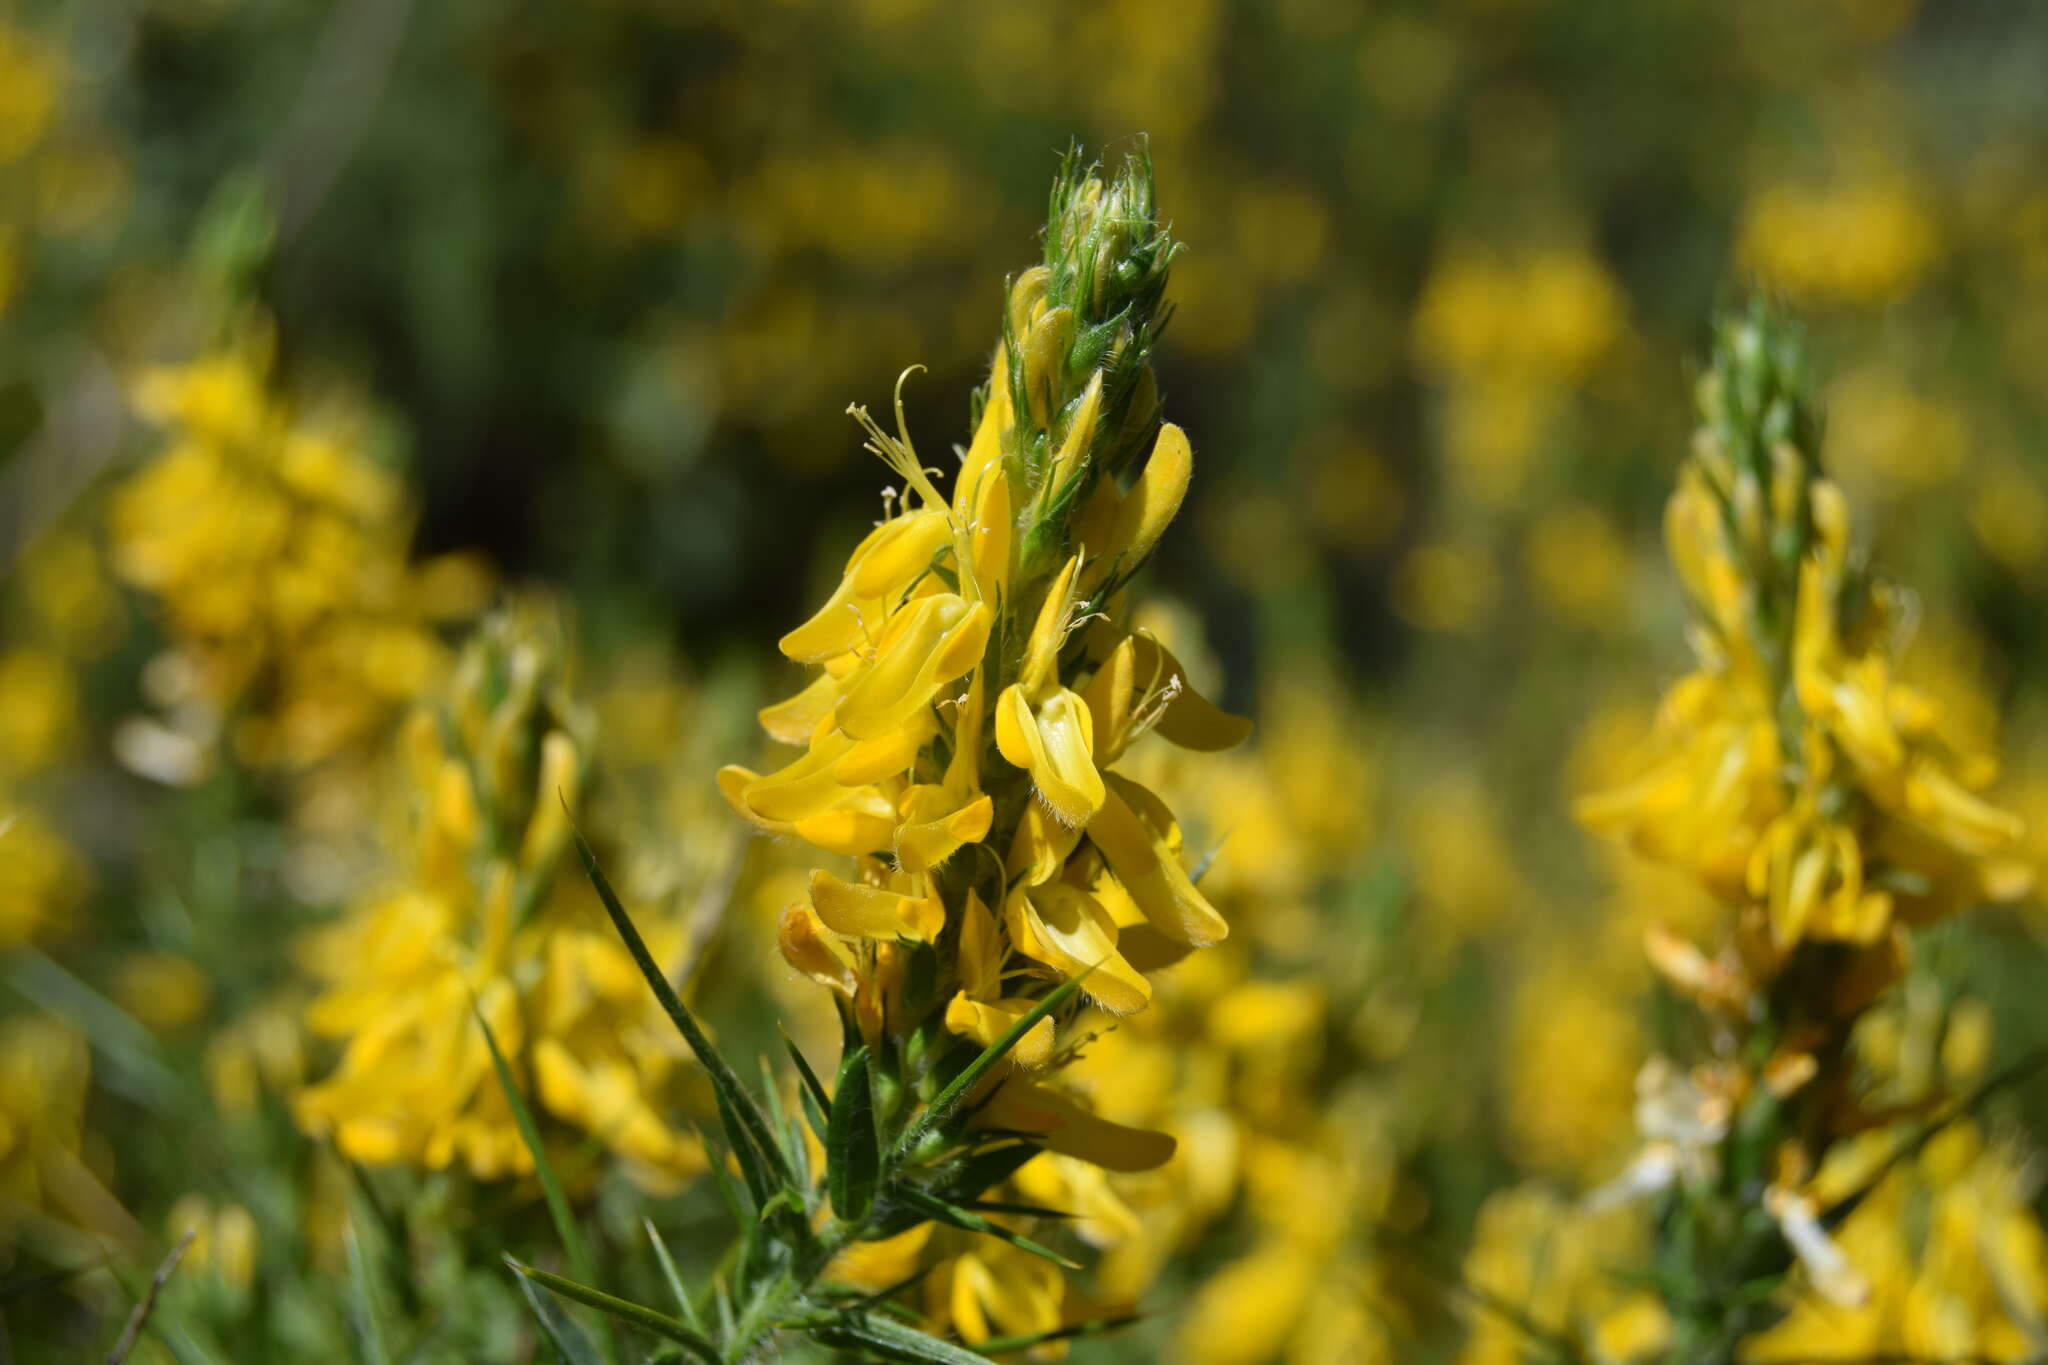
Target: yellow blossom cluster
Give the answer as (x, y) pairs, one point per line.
(1792, 771)
(485, 924)
(278, 548)
(977, 687)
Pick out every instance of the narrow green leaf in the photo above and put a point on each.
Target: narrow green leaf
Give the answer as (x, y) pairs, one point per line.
(363, 1309)
(661, 1324)
(753, 1165)
(793, 1150)
(1020, 1210)
(816, 1102)
(686, 1305)
(891, 1340)
(724, 1080)
(996, 1345)
(569, 1339)
(950, 1099)
(853, 1148)
(952, 1214)
(564, 1218)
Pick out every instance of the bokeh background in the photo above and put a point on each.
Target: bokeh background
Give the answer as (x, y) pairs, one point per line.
(596, 283)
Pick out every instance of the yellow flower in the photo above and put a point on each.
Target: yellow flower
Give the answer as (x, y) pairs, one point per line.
(225, 1240)
(487, 924)
(166, 991)
(1792, 771)
(38, 711)
(1953, 1259)
(41, 877)
(1554, 1262)
(981, 688)
(1857, 241)
(278, 548)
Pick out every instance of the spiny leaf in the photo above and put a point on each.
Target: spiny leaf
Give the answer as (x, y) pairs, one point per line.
(550, 1184)
(853, 1148)
(950, 1099)
(561, 1329)
(661, 1324)
(890, 1340)
(953, 1215)
(732, 1095)
(686, 1305)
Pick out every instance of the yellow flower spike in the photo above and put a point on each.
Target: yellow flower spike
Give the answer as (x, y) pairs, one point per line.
(935, 825)
(1055, 742)
(1065, 1127)
(1150, 870)
(1063, 927)
(857, 911)
(941, 639)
